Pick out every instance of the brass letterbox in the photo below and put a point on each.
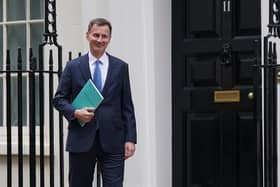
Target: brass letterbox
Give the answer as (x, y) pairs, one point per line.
(226, 96)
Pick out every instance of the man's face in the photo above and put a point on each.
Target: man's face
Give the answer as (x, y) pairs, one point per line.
(98, 38)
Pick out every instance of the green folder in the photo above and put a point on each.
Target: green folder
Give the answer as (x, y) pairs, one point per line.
(89, 96)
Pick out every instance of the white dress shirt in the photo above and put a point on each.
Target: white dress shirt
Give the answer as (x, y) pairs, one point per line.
(104, 59)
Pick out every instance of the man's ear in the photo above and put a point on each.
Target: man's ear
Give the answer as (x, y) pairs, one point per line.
(87, 33)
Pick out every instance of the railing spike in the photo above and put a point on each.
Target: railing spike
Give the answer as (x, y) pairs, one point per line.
(69, 55)
(8, 59)
(19, 59)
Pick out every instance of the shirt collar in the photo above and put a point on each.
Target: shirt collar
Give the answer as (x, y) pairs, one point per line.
(92, 59)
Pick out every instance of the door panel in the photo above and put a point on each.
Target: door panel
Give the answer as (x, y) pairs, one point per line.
(198, 76)
(247, 147)
(244, 19)
(203, 127)
(203, 23)
(200, 22)
(214, 143)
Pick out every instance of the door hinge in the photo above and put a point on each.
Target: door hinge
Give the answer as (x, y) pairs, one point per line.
(226, 6)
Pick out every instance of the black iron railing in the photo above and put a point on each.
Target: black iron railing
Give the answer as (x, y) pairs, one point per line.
(271, 42)
(38, 74)
(32, 73)
(50, 39)
(36, 120)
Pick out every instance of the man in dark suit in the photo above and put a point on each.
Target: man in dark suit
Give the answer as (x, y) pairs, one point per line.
(109, 134)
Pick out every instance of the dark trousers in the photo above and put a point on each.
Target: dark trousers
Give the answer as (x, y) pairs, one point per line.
(82, 165)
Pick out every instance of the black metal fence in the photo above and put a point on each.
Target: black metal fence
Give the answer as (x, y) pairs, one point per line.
(37, 77)
(44, 126)
(270, 68)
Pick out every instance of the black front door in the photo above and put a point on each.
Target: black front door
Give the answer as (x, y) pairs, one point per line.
(215, 137)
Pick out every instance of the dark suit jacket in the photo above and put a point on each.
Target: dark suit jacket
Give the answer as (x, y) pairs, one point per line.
(114, 116)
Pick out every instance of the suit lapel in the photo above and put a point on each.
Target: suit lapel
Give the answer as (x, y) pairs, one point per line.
(84, 67)
(108, 81)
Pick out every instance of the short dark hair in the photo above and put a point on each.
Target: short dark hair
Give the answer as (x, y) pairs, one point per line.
(100, 22)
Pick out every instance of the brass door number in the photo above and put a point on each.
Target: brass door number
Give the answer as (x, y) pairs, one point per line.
(227, 96)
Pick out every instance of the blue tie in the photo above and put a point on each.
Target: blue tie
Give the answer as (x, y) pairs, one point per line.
(97, 76)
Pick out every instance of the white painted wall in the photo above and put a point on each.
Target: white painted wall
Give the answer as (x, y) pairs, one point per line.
(163, 105)
(141, 37)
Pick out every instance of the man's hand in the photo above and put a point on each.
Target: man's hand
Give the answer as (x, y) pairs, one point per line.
(84, 114)
(129, 149)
